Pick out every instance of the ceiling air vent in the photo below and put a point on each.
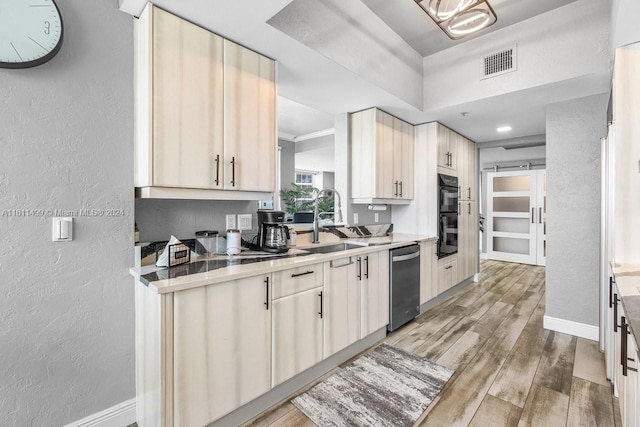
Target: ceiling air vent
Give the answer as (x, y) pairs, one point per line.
(499, 63)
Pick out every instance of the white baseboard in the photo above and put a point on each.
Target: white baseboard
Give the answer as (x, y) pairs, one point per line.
(483, 255)
(572, 328)
(120, 415)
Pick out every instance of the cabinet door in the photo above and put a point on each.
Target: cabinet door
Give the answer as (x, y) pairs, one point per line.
(222, 349)
(375, 292)
(453, 149)
(249, 120)
(443, 146)
(462, 152)
(363, 153)
(297, 334)
(386, 187)
(472, 169)
(428, 271)
(631, 385)
(187, 97)
(406, 173)
(341, 305)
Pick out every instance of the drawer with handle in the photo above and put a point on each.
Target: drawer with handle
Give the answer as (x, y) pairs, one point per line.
(292, 281)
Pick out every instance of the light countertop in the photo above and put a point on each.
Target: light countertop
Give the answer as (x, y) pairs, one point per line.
(270, 265)
(627, 277)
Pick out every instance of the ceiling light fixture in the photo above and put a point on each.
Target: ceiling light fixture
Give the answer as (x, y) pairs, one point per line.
(459, 18)
(504, 129)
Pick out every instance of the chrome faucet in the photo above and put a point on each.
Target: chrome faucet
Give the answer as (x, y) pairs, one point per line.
(338, 218)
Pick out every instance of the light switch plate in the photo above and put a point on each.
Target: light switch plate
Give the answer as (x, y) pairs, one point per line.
(376, 217)
(355, 218)
(231, 222)
(62, 229)
(244, 222)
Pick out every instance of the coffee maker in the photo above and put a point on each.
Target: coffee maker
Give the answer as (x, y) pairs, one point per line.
(272, 233)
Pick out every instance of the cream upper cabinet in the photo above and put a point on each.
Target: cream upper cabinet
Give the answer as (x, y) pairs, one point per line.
(382, 148)
(222, 349)
(204, 109)
(447, 150)
(341, 305)
(249, 119)
(297, 333)
(374, 282)
(179, 110)
(466, 168)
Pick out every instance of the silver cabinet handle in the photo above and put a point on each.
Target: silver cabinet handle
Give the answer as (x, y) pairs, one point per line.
(533, 214)
(469, 193)
(400, 188)
(359, 275)
(540, 215)
(333, 264)
(449, 267)
(459, 208)
(469, 208)
(405, 257)
(366, 271)
(396, 193)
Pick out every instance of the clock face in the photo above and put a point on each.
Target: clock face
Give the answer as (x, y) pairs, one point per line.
(30, 32)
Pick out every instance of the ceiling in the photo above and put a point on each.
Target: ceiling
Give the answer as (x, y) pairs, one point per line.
(313, 88)
(408, 19)
(296, 119)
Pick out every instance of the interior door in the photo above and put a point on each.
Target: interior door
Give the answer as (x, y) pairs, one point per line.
(511, 216)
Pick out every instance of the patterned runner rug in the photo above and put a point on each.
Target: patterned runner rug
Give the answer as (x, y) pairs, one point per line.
(385, 387)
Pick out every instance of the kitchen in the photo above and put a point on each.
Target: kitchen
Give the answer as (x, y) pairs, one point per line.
(70, 124)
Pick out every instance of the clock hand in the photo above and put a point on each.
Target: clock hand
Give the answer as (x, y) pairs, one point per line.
(17, 53)
(36, 43)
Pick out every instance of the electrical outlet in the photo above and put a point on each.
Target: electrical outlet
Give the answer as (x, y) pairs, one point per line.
(355, 218)
(244, 222)
(265, 204)
(231, 222)
(376, 217)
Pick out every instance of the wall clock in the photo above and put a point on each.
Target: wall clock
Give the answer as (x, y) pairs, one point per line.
(30, 32)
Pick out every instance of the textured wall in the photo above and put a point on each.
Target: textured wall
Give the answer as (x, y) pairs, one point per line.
(574, 129)
(66, 309)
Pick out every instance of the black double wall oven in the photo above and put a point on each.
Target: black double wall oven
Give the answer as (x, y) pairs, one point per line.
(447, 215)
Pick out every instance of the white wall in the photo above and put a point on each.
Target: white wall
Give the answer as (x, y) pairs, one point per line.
(66, 309)
(574, 129)
(624, 21)
(350, 34)
(566, 43)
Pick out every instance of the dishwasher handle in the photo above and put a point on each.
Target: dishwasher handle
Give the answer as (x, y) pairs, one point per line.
(405, 257)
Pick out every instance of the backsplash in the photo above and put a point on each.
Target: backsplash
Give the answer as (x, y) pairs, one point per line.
(158, 219)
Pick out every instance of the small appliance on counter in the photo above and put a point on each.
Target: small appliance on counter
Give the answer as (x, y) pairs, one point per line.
(272, 233)
(209, 242)
(234, 242)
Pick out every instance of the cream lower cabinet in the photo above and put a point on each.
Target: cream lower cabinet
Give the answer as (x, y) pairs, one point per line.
(428, 271)
(447, 273)
(341, 304)
(468, 240)
(627, 364)
(222, 349)
(297, 333)
(205, 109)
(374, 286)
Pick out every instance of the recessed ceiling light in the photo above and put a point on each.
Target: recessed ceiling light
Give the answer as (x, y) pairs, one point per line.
(504, 129)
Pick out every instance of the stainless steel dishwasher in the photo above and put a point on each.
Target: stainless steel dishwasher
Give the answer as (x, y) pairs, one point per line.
(404, 283)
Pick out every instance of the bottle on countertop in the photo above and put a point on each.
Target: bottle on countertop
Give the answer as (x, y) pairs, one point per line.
(292, 237)
(136, 233)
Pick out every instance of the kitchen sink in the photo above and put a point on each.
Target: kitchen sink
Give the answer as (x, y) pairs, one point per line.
(332, 248)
